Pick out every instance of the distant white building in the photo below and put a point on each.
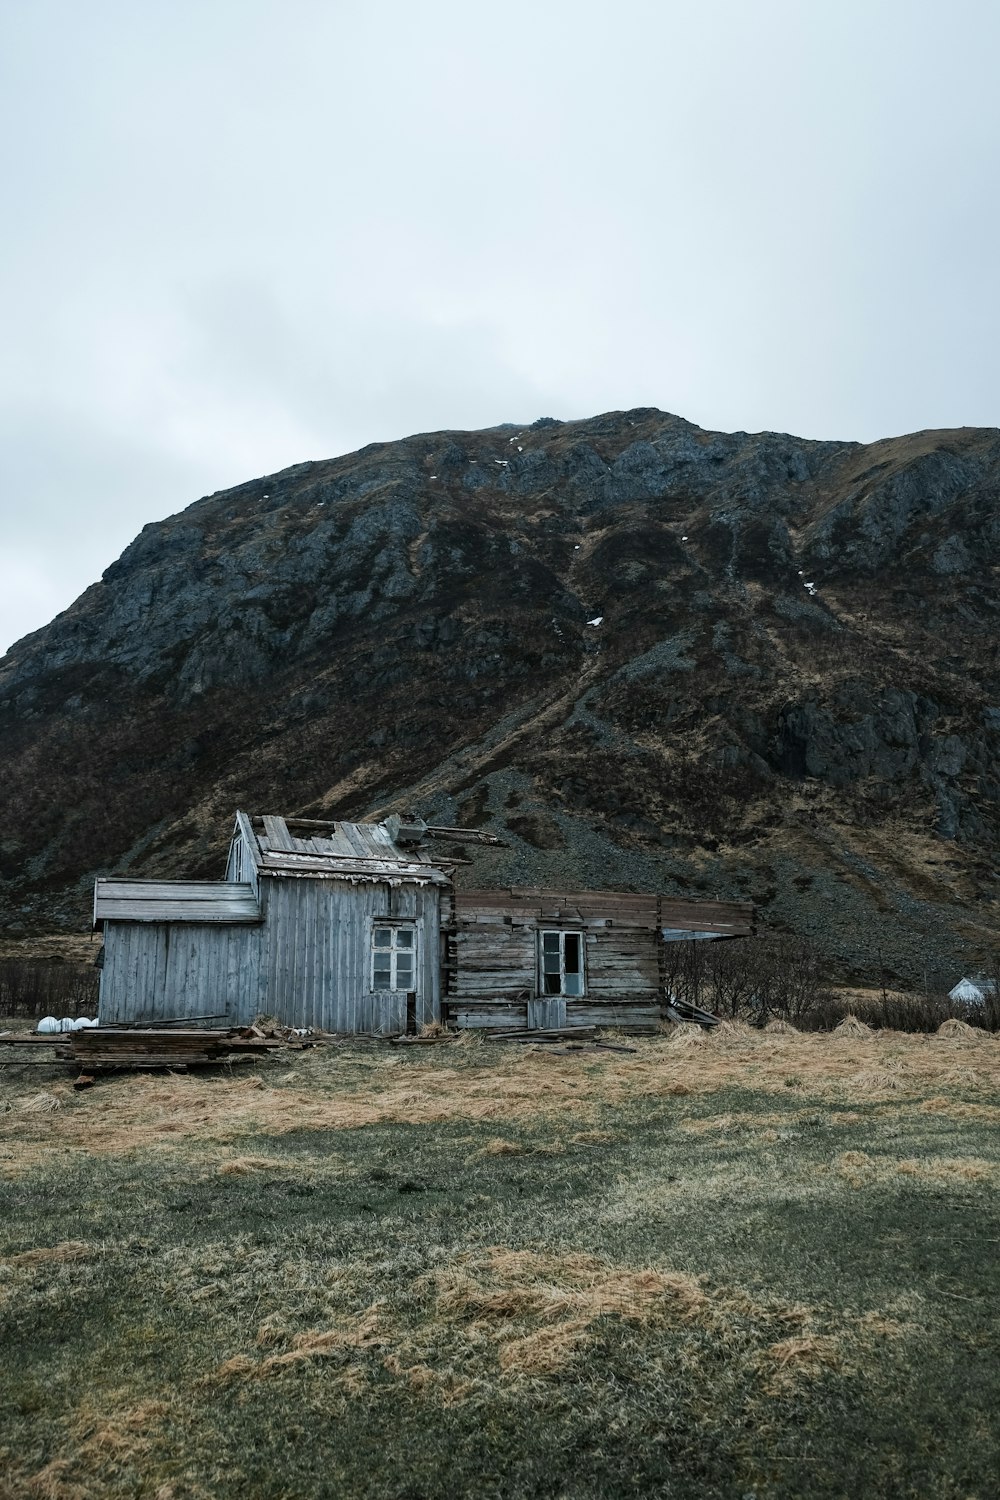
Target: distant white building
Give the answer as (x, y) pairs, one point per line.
(974, 991)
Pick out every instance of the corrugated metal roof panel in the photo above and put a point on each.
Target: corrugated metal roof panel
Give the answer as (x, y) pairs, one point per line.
(174, 901)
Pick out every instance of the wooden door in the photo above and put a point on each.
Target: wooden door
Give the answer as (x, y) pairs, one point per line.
(545, 1014)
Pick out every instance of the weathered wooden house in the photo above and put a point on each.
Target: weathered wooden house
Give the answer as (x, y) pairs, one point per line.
(355, 927)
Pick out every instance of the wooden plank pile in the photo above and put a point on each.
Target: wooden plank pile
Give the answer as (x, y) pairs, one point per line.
(58, 1042)
(109, 1047)
(103, 1047)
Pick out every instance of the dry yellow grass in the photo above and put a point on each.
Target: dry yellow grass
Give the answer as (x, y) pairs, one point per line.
(315, 1343)
(242, 1166)
(860, 1169)
(851, 1026)
(803, 1356)
(352, 1311)
(67, 1251)
(101, 1443)
(515, 1314)
(960, 1031)
(149, 1112)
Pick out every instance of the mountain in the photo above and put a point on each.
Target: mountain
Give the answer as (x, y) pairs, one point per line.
(647, 655)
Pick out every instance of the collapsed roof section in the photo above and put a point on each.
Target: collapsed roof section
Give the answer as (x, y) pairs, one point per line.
(318, 848)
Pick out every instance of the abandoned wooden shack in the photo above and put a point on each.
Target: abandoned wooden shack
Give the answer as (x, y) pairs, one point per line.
(355, 927)
(541, 959)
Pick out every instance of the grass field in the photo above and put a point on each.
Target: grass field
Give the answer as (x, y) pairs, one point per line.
(755, 1264)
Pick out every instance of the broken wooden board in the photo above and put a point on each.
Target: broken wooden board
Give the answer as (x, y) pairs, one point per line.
(548, 1034)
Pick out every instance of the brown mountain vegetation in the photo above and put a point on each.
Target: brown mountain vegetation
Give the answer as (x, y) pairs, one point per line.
(792, 694)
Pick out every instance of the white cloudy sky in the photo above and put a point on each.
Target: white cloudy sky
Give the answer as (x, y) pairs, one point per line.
(242, 233)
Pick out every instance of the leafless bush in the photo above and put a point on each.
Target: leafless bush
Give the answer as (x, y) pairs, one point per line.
(895, 1012)
(754, 978)
(35, 987)
(990, 1007)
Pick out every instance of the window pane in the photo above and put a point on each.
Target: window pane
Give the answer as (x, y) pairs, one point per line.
(382, 978)
(550, 963)
(404, 937)
(383, 937)
(572, 953)
(404, 978)
(550, 942)
(550, 984)
(573, 984)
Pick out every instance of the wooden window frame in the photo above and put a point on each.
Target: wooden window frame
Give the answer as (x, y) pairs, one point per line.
(388, 924)
(562, 993)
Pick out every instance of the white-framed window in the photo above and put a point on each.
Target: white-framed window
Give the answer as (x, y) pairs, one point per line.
(394, 948)
(560, 963)
(238, 860)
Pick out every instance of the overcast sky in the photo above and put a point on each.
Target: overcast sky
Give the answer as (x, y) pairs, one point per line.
(243, 233)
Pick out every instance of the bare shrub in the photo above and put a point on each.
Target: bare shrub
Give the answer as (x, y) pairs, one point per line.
(754, 979)
(990, 1008)
(39, 987)
(891, 1011)
(776, 976)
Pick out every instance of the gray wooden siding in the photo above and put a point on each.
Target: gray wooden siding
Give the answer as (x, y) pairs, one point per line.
(491, 961)
(317, 957)
(550, 1012)
(154, 971)
(615, 908)
(622, 961)
(251, 851)
(308, 963)
(174, 901)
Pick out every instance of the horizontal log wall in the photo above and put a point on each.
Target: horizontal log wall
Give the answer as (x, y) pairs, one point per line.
(491, 959)
(492, 962)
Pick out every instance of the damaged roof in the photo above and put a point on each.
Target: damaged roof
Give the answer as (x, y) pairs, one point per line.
(350, 851)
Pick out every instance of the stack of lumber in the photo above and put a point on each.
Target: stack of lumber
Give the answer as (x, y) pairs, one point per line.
(109, 1047)
(57, 1042)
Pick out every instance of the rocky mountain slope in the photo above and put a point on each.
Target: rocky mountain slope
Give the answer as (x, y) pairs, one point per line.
(647, 655)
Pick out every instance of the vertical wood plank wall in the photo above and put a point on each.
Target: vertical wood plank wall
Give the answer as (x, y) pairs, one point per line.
(317, 955)
(308, 963)
(155, 971)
